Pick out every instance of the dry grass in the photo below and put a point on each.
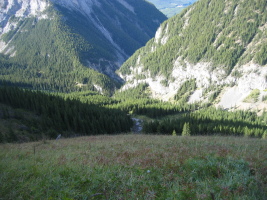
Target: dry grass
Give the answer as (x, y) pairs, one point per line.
(135, 166)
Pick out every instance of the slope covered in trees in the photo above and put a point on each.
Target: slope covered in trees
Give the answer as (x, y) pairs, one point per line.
(88, 113)
(219, 44)
(216, 31)
(54, 116)
(212, 121)
(65, 48)
(51, 62)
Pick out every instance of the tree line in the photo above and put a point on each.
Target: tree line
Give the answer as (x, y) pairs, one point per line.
(212, 121)
(66, 116)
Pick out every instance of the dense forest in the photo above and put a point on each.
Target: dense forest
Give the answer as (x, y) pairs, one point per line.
(212, 121)
(224, 33)
(199, 119)
(55, 116)
(52, 62)
(69, 51)
(89, 113)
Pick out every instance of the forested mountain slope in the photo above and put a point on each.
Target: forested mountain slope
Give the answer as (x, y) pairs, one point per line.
(30, 115)
(69, 45)
(214, 51)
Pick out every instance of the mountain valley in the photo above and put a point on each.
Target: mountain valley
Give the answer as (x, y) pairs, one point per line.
(213, 54)
(109, 99)
(72, 45)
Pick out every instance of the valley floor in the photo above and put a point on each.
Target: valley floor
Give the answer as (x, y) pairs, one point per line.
(135, 167)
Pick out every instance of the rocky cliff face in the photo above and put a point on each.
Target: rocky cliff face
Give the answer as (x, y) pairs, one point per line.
(219, 45)
(99, 34)
(20, 8)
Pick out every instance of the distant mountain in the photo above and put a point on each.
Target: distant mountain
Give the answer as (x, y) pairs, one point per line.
(214, 51)
(171, 7)
(68, 45)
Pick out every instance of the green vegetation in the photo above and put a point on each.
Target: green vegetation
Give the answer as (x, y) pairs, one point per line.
(211, 121)
(186, 130)
(208, 31)
(126, 166)
(136, 101)
(201, 165)
(88, 113)
(68, 53)
(253, 96)
(152, 108)
(141, 91)
(90, 97)
(261, 55)
(18, 125)
(186, 90)
(52, 62)
(135, 167)
(55, 116)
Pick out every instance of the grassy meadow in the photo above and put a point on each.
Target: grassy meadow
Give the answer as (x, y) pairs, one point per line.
(135, 167)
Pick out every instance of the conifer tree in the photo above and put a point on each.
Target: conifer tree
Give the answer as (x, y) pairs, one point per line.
(247, 132)
(186, 129)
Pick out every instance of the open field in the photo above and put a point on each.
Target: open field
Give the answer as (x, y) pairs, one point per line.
(135, 167)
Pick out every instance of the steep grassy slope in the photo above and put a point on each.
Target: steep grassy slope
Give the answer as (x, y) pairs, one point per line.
(135, 167)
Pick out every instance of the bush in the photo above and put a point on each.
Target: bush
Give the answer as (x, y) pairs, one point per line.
(253, 96)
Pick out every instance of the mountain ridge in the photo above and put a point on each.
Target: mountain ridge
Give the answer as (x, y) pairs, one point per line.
(219, 45)
(95, 37)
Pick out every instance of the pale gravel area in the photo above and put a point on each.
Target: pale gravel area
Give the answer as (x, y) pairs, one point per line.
(235, 90)
(196, 96)
(232, 97)
(253, 77)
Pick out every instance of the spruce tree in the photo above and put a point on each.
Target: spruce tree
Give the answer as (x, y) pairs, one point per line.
(247, 132)
(186, 129)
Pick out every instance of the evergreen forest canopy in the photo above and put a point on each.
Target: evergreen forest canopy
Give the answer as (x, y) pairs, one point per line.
(225, 33)
(53, 62)
(88, 113)
(55, 115)
(68, 52)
